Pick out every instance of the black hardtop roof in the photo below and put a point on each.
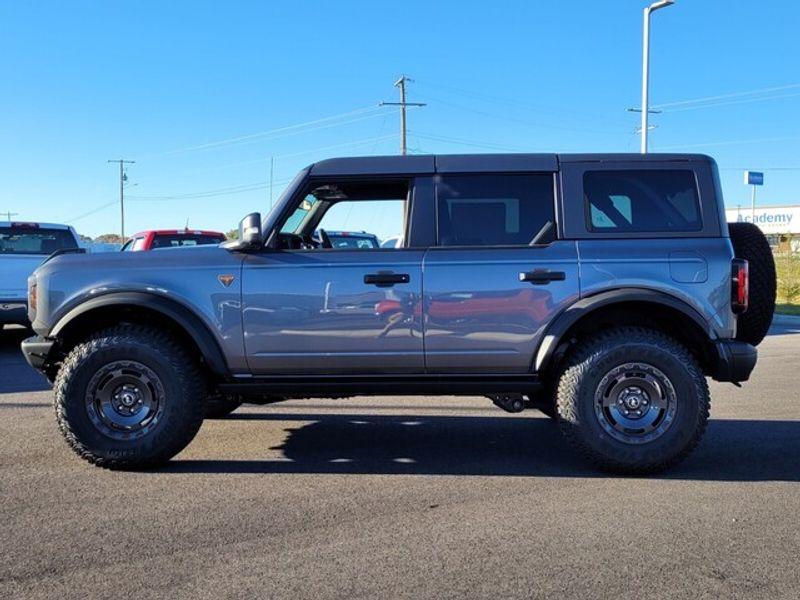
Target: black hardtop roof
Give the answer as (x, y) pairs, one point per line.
(476, 163)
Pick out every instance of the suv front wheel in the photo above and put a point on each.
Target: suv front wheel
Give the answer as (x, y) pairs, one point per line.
(129, 397)
(632, 400)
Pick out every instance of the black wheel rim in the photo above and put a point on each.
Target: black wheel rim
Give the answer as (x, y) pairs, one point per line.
(125, 400)
(635, 403)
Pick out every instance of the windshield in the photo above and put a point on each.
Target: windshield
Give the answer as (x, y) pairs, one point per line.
(277, 207)
(24, 240)
(292, 224)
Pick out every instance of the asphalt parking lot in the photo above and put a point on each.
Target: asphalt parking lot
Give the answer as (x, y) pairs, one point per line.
(404, 497)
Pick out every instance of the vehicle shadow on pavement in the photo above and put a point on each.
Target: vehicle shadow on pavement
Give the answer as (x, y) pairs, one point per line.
(503, 446)
(15, 374)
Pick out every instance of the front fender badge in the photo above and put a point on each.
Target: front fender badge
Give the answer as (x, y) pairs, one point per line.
(226, 280)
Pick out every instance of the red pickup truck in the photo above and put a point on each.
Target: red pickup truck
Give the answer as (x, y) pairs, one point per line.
(171, 238)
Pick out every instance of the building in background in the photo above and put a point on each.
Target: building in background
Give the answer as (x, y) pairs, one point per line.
(781, 224)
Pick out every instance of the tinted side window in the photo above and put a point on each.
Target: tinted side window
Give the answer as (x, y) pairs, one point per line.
(494, 210)
(642, 201)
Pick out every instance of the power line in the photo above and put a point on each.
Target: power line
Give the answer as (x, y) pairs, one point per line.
(726, 96)
(511, 119)
(90, 212)
(322, 123)
(360, 142)
(403, 104)
(237, 189)
(732, 102)
(492, 99)
(464, 142)
(262, 159)
(9, 214)
(760, 168)
(730, 143)
(250, 187)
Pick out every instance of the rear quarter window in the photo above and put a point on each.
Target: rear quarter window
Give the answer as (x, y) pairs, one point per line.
(647, 201)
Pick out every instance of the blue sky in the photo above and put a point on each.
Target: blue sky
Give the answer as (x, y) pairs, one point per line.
(192, 90)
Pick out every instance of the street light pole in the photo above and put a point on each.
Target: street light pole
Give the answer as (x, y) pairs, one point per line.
(646, 66)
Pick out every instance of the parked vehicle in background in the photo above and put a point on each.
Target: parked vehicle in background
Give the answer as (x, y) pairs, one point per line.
(602, 289)
(171, 238)
(392, 242)
(23, 247)
(104, 247)
(347, 239)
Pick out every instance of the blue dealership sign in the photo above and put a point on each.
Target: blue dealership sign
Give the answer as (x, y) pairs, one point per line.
(754, 178)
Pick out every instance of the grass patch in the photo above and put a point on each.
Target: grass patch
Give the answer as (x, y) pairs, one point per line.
(788, 309)
(787, 267)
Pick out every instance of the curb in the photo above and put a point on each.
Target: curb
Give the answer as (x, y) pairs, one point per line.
(778, 319)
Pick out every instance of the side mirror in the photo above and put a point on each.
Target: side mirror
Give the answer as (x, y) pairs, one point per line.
(249, 234)
(250, 230)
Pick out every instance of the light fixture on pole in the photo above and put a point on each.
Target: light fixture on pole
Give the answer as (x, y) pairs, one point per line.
(646, 66)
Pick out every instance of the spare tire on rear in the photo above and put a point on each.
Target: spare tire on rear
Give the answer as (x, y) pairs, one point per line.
(751, 244)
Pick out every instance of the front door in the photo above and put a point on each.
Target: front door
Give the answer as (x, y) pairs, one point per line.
(329, 300)
(498, 275)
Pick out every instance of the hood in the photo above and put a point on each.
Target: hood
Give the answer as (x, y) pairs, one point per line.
(154, 259)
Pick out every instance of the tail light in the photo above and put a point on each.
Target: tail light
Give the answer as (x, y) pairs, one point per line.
(740, 285)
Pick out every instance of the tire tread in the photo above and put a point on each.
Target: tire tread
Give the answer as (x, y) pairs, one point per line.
(190, 380)
(576, 369)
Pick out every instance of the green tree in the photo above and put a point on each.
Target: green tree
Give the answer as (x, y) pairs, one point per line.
(109, 238)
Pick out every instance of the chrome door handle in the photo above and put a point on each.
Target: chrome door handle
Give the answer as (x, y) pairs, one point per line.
(542, 276)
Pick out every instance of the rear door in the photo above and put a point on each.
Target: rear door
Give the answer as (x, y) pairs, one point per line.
(498, 274)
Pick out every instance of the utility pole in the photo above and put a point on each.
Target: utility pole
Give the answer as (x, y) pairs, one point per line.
(122, 179)
(9, 214)
(646, 67)
(401, 84)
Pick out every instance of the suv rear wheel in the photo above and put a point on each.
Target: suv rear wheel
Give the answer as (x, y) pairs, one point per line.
(129, 397)
(632, 400)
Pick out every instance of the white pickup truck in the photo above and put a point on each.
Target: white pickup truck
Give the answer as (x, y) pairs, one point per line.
(23, 247)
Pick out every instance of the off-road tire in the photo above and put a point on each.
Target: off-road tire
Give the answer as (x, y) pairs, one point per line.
(219, 406)
(182, 381)
(751, 244)
(585, 368)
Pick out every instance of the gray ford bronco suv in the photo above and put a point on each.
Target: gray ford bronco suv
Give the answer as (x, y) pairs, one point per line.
(602, 289)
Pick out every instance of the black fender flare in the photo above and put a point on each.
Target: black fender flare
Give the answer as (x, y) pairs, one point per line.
(566, 319)
(172, 309)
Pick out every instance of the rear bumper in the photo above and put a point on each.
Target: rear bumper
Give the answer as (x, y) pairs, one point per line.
(36, 351)
(735, 361)
(13, 311)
